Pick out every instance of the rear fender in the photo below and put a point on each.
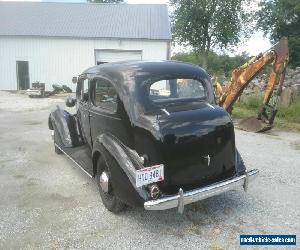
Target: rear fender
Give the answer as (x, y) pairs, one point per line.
(67, 127)
(239, 163)
(123, 163)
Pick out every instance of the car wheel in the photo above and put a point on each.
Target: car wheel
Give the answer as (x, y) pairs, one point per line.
(103, 179)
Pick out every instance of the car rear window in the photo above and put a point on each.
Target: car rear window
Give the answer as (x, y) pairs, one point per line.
(177, 89)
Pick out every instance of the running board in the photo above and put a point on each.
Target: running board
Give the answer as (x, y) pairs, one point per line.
(81, 156)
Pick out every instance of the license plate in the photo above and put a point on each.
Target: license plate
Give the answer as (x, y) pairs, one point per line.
(149, 175)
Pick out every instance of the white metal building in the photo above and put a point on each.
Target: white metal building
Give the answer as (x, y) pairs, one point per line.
(52, 42)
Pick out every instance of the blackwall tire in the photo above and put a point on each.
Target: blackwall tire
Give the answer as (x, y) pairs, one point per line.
(109, 199)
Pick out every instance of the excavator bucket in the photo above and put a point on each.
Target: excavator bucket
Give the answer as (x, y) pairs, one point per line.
(253, 124)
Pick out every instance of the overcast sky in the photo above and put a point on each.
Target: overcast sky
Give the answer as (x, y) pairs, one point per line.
(256, 44)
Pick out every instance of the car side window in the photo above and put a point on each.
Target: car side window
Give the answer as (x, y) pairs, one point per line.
(105, 95)
(84, 91)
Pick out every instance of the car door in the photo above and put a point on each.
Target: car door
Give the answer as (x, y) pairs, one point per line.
(83, 109)
(104, 116)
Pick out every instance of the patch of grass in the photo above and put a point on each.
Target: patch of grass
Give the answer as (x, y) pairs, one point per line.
(241, 112)
(247, 106)
(285, 125)
(291, 113)
(287, 118)
(251, 102)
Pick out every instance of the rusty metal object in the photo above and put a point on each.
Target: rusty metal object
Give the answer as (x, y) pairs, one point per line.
(278, 56)
(252, 124)
(218, 90)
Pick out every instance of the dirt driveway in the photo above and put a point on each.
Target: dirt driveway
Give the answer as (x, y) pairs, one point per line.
(46, 202)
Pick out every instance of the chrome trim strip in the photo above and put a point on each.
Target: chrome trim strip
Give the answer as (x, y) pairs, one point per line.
(73, 160)
(166, 112)
(198, 194)
(108, 116)
(210, 106)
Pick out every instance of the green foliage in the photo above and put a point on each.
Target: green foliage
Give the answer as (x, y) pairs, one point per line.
(282, 18)
(57, 88)
(247, 105)
(204, 24)
(105, 1)
(251, 102)
(286, 117)
(240, 112)
(217, 64)
(291, 113)
(66, 89)
(187, 57)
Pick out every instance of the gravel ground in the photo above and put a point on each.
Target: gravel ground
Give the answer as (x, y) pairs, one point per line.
(48, 203)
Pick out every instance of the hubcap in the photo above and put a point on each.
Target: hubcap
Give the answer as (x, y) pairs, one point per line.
(104, 181)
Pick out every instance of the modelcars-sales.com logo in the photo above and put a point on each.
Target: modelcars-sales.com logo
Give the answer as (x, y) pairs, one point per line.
(248, 239)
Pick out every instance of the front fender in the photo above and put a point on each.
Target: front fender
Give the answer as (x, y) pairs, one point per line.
(122, 162)
(67, 127)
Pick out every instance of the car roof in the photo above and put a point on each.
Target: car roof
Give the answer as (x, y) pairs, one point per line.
(146, 68)
(131, 79)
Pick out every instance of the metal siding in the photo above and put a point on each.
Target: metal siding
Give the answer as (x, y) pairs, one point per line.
(135, 21)
(56, 61)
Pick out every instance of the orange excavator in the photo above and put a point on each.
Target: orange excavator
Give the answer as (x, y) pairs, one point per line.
(278, 57)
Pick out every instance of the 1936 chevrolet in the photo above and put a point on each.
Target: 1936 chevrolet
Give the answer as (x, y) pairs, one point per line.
(151, 135)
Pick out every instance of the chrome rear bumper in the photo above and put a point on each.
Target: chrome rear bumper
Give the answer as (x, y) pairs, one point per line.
(184, 198)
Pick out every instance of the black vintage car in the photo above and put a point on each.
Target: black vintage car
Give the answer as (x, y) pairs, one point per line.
(151, 135)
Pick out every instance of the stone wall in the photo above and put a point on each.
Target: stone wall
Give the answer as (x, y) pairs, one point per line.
(291, 86)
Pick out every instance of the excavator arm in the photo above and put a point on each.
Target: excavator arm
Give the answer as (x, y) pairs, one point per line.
(242, 76)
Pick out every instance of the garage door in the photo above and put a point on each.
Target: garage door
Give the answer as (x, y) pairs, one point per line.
(104, 56)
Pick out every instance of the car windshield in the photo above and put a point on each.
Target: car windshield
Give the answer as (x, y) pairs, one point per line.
(177, 89)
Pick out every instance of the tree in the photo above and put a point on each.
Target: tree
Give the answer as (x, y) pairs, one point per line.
(218, 65)
(105, 1)
(207, 24)
(279, 18)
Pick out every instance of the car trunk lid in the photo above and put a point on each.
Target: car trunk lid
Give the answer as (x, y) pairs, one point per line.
(197, 147)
